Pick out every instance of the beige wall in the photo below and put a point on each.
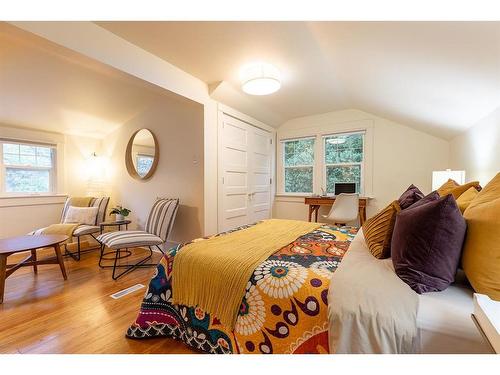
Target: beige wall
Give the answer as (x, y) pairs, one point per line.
(178, 126)
(477, 151)
(396, 156)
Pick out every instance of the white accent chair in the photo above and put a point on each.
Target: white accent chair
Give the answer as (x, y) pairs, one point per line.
(344, 209)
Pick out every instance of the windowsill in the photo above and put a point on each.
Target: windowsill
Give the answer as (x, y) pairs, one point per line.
(31, 200)
(286, 195)
(23, 196)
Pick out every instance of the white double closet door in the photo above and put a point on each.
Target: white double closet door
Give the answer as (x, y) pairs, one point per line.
(245, 165)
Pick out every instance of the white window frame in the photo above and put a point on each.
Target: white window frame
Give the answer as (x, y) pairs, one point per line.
(283, 167)
(52, 170)
(324, 165)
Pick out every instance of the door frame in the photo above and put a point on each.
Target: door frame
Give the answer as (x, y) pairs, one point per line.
(228, 111)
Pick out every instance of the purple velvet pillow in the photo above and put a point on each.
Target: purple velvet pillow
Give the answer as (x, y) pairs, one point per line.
(427, 243)
(433, 196)
(410, 196)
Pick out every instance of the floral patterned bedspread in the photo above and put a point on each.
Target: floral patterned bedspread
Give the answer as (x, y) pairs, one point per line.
(284, 309)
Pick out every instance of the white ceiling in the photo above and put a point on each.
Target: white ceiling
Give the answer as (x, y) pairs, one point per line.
(438, 77)
(47, 87)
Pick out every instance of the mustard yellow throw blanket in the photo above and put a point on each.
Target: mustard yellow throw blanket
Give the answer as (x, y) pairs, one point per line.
(66, 229)
(213, 274)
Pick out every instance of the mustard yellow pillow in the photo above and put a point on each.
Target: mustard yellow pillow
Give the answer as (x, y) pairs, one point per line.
(459, 190)
(481, 253)
(378, 231)
(466, 198)
(447, 187)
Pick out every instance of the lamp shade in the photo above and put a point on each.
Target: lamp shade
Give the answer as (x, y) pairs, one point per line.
(260, 79)
(440, 177)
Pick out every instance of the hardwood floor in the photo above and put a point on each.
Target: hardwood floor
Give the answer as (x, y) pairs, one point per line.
(44, 314)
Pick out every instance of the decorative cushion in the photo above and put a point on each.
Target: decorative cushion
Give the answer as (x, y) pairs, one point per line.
(481, 255)
(447, 187)
(459, 190)
(128, 238)
(81, 215)
(410, 196)
(465, 199)
(82, 230)
(432, 196)
(378, 231)
(427, 243)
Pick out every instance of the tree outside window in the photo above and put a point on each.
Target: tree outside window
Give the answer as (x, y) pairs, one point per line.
(343, 160)
(27, 168)
(298, 162)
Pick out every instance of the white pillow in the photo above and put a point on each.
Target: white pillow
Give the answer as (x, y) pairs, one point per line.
(81, 215)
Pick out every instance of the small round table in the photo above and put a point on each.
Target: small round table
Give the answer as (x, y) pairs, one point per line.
(13, 245)
(114, 224)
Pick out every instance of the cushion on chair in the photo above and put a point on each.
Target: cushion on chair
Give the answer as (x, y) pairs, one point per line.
(81, 215)
(82, 230)
(128, 238)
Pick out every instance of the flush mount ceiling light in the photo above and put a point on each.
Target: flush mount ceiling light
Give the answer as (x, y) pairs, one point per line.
(260, 79)
(336, 141)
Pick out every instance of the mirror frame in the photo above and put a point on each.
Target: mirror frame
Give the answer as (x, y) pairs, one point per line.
(129, 162)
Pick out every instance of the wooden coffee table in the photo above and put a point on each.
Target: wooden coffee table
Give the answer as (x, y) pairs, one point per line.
(13, 245)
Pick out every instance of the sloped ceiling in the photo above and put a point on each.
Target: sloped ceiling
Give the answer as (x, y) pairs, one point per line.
(47, 87)
(438, 77)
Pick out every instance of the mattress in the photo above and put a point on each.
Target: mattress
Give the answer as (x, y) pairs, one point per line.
(367, 319)
(444, 322)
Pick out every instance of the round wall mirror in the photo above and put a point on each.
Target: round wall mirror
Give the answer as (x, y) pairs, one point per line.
(142, 154)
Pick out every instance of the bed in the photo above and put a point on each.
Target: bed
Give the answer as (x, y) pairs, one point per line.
(272, 318)
(338, 299)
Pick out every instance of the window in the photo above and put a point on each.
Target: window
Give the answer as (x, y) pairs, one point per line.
(343, 162)
(298, 163)
(144, 163)
(27, 168)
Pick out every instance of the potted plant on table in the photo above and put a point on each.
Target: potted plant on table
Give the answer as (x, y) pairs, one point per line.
(120, 212)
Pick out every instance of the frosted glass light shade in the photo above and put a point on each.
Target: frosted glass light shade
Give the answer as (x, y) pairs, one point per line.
(260, 79)
(440, 177)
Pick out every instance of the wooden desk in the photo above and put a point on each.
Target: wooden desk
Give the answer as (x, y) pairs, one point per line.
(316, 202)
(9, 246)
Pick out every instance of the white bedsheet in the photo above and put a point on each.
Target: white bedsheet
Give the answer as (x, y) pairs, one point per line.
(367, 317)
(370, 310)
(444, 322)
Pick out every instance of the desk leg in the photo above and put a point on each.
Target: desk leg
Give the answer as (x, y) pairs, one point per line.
(316, 213)
(362, 215)
(3, 274)
(311, 209)
(60, 259)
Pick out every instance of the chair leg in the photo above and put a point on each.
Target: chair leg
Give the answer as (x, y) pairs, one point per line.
(100, 257)
(76, 255)
(130, 268)
(78, 239)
